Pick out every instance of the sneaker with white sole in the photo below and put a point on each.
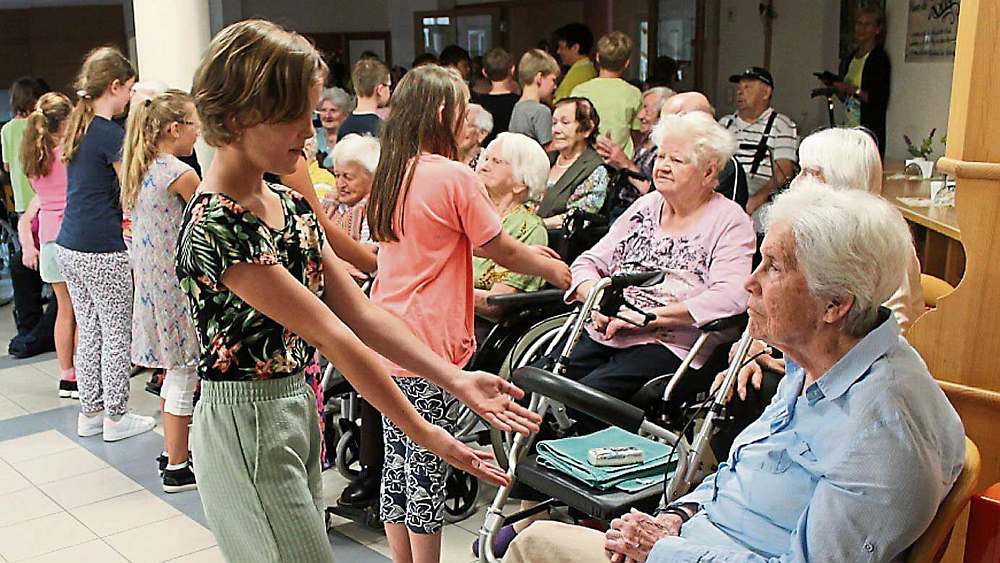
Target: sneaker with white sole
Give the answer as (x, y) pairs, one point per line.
(89, 425)
(130, 424)
(68, 390)
(179, 480)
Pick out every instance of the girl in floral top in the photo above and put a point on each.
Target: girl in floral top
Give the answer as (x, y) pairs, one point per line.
(264, 288)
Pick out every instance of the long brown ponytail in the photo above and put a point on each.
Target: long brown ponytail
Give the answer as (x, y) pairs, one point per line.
(145, 127)
(101, 67)
(39, 140)
(414, 126)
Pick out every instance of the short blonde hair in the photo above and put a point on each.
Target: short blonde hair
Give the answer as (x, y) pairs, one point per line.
(367, 75)
(362, 149)
(534, 61)
(234, 86)
(614, 50)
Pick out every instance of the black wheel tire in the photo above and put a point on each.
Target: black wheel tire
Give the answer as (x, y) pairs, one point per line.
(348, 454)
(461, 491)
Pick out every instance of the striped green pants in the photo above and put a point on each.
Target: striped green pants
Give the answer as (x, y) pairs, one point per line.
(258, 449)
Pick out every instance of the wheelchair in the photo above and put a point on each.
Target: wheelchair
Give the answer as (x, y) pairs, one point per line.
(645, 413)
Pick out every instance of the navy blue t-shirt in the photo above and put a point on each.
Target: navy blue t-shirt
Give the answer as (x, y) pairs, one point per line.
(361, 124)
(92, 221)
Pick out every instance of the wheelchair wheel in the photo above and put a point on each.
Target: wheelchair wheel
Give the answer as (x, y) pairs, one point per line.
(461, 492)
(528, 349)
(348, 454)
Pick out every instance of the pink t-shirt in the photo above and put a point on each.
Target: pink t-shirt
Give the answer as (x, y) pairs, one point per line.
(426, 277)
(51, 191)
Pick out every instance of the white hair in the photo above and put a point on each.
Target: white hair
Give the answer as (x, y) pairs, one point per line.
(847, 242)
(844, 157)
(363, 149)
(528, 163)
(480, 118)
(712, 142)
(339, 97)
(662, 94)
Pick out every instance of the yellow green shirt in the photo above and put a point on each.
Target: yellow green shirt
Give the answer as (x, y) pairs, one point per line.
(10, 137)
(581, 71)
(617, 103)
(852, 105)
(525, 227)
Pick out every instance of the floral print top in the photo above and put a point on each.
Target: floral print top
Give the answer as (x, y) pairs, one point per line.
(237, 342)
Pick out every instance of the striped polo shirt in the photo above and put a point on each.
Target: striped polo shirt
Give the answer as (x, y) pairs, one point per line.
(783, 142)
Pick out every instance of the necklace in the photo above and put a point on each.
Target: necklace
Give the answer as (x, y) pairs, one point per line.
(568, 164)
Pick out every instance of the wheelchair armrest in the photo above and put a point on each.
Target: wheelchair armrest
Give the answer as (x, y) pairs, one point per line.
(579, 397)
(512, 301)
(736, 321)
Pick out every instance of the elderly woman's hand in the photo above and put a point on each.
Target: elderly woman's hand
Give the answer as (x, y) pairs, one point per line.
(612, 154)
(752, 372)
(632, 537)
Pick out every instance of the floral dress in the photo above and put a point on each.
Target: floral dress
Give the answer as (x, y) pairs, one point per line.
(163, 334)
(237, 342)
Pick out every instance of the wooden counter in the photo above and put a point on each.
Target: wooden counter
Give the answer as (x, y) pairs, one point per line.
(935, 229)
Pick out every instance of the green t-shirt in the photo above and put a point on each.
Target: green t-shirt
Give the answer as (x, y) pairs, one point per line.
(617, 103)
(581, 71)
(11, 136)
(526, 227)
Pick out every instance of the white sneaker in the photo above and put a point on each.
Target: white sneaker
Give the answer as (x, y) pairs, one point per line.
(130, 424)
(89, 425)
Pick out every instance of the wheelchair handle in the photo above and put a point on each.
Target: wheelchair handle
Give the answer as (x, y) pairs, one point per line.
(640, 279)
(524, 300)
(577, 396)
(718, 325)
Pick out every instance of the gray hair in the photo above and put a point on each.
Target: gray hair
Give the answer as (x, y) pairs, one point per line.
(712, 142)
(362, 149)
(844, 157)
(528, 163)
(847, 242)
(480, 118)
(662, 94)
(339, 97)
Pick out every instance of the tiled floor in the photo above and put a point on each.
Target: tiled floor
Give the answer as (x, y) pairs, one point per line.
(65, 498)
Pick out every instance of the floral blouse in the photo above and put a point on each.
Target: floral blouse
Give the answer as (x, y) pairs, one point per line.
(237, 342)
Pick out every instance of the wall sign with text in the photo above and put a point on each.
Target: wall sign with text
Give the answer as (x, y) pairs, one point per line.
(932, 30)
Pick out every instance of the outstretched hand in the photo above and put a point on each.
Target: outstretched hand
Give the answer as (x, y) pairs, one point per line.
(494, 399)
(477, 463)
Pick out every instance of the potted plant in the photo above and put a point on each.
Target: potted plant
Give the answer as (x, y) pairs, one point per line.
(921, 155)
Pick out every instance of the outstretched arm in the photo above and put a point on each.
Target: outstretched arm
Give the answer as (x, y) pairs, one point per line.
(271, 290)
(488, 395)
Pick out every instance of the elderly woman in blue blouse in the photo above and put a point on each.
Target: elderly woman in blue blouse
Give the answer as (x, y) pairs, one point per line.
(857, 450)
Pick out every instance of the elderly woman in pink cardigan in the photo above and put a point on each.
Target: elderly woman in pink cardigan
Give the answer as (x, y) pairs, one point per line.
(704, 241)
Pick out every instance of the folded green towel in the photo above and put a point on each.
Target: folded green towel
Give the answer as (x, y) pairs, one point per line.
(569, 456)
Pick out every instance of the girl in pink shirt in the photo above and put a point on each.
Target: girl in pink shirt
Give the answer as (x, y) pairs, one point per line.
(429, 212)
(46, 170)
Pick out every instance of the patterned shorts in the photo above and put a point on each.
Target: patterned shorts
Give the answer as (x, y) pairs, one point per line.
(413, 478)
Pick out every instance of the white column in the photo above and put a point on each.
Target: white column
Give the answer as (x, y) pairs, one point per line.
(170, 38)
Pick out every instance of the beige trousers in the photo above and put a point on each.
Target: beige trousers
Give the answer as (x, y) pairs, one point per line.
(546, 541)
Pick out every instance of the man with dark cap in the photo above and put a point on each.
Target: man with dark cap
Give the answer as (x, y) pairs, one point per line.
(767, 140)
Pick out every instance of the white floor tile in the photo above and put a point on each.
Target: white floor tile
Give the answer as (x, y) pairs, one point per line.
(93, 551)
(11, 480)
(456, 544)
(10, 409)
(124, 512)
(42, 535)
(90, 487)
(61, 465)
(26, 504)
(210, 555)
(161, 541)
(35, 445)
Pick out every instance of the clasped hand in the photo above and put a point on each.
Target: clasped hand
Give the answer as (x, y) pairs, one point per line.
(631, 537)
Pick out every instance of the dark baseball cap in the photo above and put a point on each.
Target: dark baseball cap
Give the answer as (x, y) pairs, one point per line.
(754, 73)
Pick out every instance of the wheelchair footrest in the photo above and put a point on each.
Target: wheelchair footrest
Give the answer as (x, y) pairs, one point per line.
(603, 505)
